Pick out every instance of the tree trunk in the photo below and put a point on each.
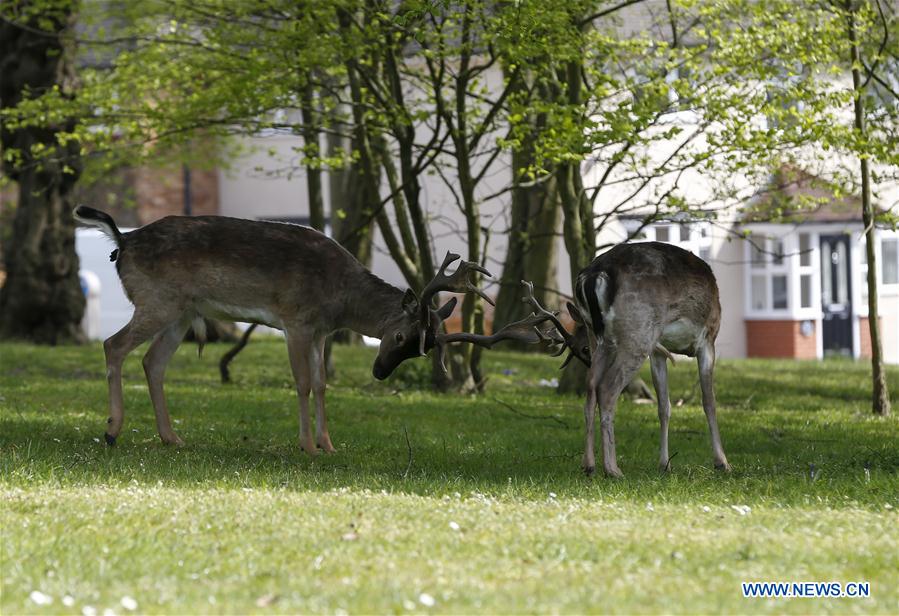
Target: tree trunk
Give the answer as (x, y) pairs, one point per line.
(531, 253)
(576, 230)
(41, 299)
(880, 400)
(349, 208)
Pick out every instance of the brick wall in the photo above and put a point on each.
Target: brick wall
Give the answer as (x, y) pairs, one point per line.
(160, 192)
(780, 339)
(137, 196)
(864, 336)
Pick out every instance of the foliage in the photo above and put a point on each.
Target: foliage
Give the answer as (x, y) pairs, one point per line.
(240, 519)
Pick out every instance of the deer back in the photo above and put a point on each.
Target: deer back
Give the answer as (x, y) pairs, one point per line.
(285, 270)
(649, 287)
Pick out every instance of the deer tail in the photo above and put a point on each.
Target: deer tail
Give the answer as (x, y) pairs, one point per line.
(104, 222)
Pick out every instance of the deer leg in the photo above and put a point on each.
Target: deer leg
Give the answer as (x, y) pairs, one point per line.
(319, 381)
(705, 358)
(593, 376)
(141, 328)
(299, 348)
(612, 383)
(155, 362)
(659, 365)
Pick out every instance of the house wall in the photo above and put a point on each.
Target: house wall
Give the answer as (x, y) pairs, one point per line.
(726, 262)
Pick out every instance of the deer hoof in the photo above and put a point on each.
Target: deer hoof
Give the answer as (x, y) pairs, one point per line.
(173, 440)
(724, 467)
(665, 467)
(309, 449)
(589, 471)
(327, 448)
(614, 473)
(110, 440)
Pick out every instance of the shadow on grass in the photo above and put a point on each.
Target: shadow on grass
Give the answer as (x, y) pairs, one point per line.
(793, 431)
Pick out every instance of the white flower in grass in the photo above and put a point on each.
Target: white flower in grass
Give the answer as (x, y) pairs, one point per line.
(39, 598)
(68, 601)
(408, 605)
(741, 509)
(88, 610)
(454, 526)
(426, 600)
(649, 507)
(129, 603)
(706, 508)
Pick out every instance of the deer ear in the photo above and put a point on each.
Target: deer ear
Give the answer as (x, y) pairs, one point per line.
(447, 309)
(410, 303)
(575, 313)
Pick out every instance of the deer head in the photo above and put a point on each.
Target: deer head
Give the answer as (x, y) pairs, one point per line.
(414, 331)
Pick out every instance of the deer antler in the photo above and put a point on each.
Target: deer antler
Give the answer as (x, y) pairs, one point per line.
(526, 330)
(561, 334)
(459, 281)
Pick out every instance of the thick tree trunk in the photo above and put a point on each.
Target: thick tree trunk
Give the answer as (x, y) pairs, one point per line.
(880, 399)
(531, 253)
(580, 241)
(41, 299)
(349, 209)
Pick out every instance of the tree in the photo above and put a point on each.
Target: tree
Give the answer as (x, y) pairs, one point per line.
(851, 9)
(41, 299)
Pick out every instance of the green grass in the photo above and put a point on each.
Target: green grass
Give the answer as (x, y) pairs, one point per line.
(475, 502)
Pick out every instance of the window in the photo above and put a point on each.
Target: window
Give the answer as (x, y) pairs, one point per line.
(777, 251)
(889, 257)
(805, 250)
(826, 285)
(691, 235)
(779, 292)
(806, 273)
(805, 291)
(770, 275)
(757, 243)
(759, 293)
(839, 257)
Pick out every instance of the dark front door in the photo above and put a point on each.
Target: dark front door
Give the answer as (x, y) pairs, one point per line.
(836, 298)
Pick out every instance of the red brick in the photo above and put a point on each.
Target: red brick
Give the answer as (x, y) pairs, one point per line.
(864, 336)
(780, 339)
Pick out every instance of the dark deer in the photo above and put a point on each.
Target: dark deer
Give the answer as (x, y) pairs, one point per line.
(638, 300)
(179, 269)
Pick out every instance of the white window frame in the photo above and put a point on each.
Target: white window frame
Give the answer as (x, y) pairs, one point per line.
(861, 285)
(790, 267)
(695, 241)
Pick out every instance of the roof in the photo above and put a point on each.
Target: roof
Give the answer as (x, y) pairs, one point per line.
(796, 196)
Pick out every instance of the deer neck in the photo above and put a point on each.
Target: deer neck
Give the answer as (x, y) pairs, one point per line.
(373, 304)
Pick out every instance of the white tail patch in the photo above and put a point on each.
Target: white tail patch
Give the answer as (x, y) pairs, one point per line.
(105, 227)
(602, 292)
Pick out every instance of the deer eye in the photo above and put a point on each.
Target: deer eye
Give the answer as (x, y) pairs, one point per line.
(586, 350)
(399, 337)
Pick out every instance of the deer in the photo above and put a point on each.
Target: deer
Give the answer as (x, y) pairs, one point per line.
(640, 300)
(178, 269)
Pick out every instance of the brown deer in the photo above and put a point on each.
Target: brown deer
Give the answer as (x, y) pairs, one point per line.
(179, 269)
(638, 300)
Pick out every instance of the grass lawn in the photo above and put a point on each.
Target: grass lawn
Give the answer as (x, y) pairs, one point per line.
(436, 503)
